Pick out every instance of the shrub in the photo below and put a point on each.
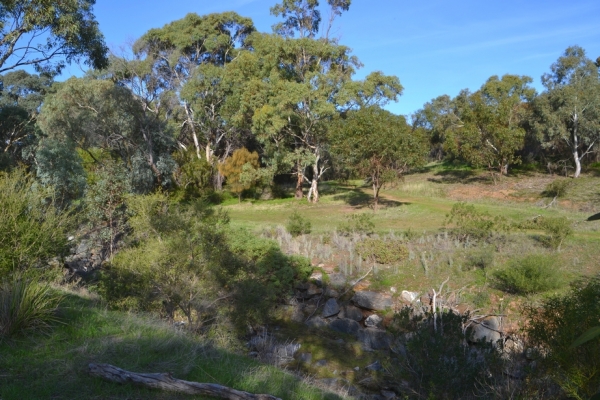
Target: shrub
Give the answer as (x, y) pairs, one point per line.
(382, 251)
(26, 306)
(534, 273)
(555, 325)
(468, 223)
(357, 223)
(481, 257)
(557, 188)
(439, 364)
(557, 229)
(38, 230)
(297, 224)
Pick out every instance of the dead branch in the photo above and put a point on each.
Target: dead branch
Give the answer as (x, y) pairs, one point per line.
(165, 381)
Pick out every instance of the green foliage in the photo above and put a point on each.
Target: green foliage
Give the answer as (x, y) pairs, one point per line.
(488, 129)
(555, 325)
(194, 175)
(568, 112)
(70, 33)
(357, 223)
(26, 306)
(557, 229)
(533, 273)
(376, 145)
(468, 223)
(34, 230)
(105, 205)
(438, 364)
(297, 224)
(481, 257)
(557, 188)
(382, 251)
(60, 167)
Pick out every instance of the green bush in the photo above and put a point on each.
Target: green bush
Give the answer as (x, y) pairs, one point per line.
(33, 230)
(357, 223)
(481, 257)
(26, 306)
(382, 251)
(437, 364)
(297, 224)
(557, 229)
(534, 273)
(555, 325)
(468, 223)
(557, 188)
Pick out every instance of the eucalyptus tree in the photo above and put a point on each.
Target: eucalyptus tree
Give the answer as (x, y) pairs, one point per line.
(568, 112)
(377, 145)
(186, 58)
(48, 34)
(21, 95)
(297, 85)
(437, 118)
(489, 131)
(94, 113)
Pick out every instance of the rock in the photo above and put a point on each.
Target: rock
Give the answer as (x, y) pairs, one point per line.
(373, 320)
(388, 395)
(305, 358)
(316, 278)
(409, 297)
(376, 366)
(316, 322)
(321, 363)
(375, 339)
(345, 325)
(313, 290)
(337, 280)
(338, 384)
(330, 292)
(486, 330)
(372, 300)
(331, 308)
(352, 312)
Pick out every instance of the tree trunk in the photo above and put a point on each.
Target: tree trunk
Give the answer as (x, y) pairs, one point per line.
(165, 381)
(313, 193)
(299, 194)
(375, 196)
(575, 147)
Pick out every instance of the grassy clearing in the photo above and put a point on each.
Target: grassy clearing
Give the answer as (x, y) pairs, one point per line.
(55, 366)
(415, 211)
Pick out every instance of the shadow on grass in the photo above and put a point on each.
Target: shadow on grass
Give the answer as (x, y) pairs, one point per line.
(458, 176)
(55, 366)
(359, 199)
(594, 217)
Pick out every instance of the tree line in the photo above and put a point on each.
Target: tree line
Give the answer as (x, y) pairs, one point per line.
(207, 100)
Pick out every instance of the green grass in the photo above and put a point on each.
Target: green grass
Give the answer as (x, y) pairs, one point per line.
(55, 366)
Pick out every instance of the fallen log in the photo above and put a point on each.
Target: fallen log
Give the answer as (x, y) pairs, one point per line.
(165, 381)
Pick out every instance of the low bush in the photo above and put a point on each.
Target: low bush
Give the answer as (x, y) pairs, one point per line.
(357, 223)
(467, 223)
(481, 257)
(557, 188)
(382, 251)
(26, 306)
(534, 273)
(553, 328)
(298, 225)
(438, 364)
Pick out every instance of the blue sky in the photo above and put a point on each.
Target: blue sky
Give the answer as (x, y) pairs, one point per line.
(434, 47)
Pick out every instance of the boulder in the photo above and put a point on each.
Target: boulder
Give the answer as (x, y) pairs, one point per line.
(409, 297)
(331, 308)
(375, 339)
(372, 300)
(487, 330)
(316, 322)
(345, 325)
(352, 312)
(373, 320)
(316, 278)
